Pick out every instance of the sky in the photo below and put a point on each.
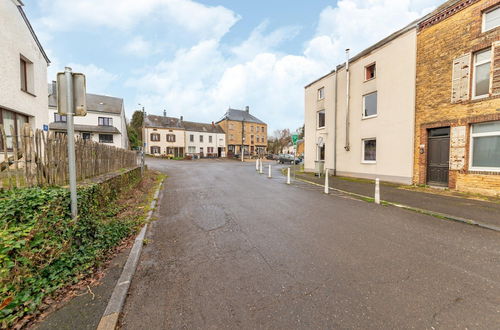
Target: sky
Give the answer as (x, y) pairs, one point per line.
(198, 58)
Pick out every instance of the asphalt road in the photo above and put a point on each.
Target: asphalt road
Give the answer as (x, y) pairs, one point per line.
(233, 249)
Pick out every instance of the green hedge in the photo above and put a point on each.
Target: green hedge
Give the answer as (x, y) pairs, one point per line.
(43, 249)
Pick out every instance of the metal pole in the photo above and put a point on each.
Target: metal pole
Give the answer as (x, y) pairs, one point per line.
(270, 173)
(260, 168)
(71, 141)
(327, 187)
(257, 164)
(377, 191)
(288, 176)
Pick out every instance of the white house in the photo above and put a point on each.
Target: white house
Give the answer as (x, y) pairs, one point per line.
(23, 72)
(105, 121)
(164, 136)
(360, 121)
(204, 140)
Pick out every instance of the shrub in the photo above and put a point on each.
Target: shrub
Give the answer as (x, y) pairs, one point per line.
(43, 249)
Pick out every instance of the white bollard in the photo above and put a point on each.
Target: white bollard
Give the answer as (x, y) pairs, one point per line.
(269, 174)
(377, 191)
(327, 187)
(288, 176)
(261, 169)
(257, 164)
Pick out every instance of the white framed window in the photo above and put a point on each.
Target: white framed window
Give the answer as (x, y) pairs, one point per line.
(321, 93)
(369, 152)
(491, 19)
(485, 147)
(192, 149)
(321, 119)
(481, 77)
(370, 105)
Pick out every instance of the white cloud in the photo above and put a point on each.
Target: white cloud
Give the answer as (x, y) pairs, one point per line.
(98, 79)
(204, 21)
(201, 82)
(140, 47)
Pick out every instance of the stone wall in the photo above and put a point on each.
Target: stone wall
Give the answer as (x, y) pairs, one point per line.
(440, 41)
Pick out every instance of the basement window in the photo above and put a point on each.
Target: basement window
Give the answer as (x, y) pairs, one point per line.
(370, 72)
(491, 19)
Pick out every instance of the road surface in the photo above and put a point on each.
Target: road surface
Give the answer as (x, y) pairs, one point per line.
(232, 249)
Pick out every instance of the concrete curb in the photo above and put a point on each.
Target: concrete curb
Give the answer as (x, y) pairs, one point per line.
(109, 319)
(415, 209)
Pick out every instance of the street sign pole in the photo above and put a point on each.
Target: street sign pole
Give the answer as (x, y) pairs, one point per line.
(71, 141)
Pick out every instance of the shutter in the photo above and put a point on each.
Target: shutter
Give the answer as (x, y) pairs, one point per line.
(495, 65)
(460, 79)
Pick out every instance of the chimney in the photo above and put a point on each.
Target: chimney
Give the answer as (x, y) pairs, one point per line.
(213, 124)
(247, 109)
(164, 113)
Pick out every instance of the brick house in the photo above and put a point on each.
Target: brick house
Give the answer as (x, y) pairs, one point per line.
(457, 124)
(242, 128)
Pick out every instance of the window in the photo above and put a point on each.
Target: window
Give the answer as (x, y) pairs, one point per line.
(370, 105)
(251, 139)
(231, 126)
(106, 138)
(191, 138)
(13, 124)
(201, 138)
(321, 119)
(485, 153)
(170, 137)
(210, 150)
(481, 83)
(210, 139)
(192, 149)
(24, 75)
(59, 119)
(262, 129)
(231, 137)
(369, 151)
(155, 137)
(321, 93)
(105, 121)
(251, 128)
(370, 72)
(155, 150)
(322, 152)
(86, 136)
(491, 19)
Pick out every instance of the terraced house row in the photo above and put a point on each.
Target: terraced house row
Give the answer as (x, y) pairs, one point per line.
(421, 106)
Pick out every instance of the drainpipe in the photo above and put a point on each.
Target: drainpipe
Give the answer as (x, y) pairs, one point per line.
(347, 146)
(335, 128)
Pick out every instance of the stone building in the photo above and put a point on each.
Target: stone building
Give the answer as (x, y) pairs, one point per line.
(457, 124)
(204, 140)
(243, 129)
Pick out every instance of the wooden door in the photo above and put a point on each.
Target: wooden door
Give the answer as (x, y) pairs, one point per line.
(438, 159)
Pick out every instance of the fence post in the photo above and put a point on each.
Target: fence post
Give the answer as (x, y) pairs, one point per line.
(377, 191)
(270, 173)
(257, 164)
(260, 167)
(288, 176)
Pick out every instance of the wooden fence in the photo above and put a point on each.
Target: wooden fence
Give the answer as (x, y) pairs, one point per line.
(38, 158)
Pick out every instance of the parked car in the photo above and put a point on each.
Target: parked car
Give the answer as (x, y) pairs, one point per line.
(270, 157)
(288, 159)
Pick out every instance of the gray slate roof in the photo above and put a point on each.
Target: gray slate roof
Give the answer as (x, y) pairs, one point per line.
(95, 102)
(162, 122)
(201, 127)
(240, 115)
(86, 128)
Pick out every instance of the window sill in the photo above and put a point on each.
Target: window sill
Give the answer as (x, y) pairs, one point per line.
(369, 117)
(369, 162)
(320, 128)
(485, 169)
(29, 93)
(367, 80)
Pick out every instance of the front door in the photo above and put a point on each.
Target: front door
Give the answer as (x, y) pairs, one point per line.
(438, 159)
